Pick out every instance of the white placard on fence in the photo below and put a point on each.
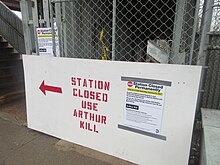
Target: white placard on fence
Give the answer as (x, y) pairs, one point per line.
(45, 41)
(139, 112)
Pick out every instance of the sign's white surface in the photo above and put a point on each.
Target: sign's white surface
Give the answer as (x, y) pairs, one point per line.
(85, 102)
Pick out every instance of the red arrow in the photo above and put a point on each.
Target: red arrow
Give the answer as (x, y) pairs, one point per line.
(45, 88)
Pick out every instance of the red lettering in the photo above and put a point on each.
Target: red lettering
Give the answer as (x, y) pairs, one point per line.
(73, 81)
(89, 128)
(95, 106)
(107, 86)
(84, 83)
(91, 116)
(98, 96)
(80, 95)
(90, 83)
(80, 114)
(92, 95)
(86, 125)
(81, 124)
(95, 84)
(74, 92)
(89, 105)
(105, 97)
(95, 129)
(86, 113)
(83, 104)
(97, 118)
(75, 113)
(86, 94)
(103, 120)
(100, 84)
(79, 79)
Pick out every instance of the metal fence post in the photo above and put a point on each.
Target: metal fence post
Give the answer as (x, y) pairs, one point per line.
(46, 12)
(35, 23)
(204, 42)
(178, 23)
(64, 30)
(194, 32)
(26, 13)
(58, 23)
(113, 29)
(207, 17)
(52, 27)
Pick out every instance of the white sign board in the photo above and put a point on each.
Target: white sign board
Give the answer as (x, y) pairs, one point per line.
(139, 112)
(45, 43)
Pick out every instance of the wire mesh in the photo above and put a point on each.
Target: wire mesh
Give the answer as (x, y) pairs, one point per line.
(81, 25)
(215, 26)
(211, 98)
(163, 31)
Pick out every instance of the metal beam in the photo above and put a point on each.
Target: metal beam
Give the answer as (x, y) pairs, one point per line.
(46, 10)
(207, 17)
(176, 56)
(12, 4)
(26, 12)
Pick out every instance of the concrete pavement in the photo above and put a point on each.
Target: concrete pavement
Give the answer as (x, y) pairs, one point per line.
(22, 146)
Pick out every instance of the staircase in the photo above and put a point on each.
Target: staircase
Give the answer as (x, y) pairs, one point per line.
(11, 73)
(11, 48)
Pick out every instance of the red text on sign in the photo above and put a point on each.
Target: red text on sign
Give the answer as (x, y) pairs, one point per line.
(98, 96)
(90, 83)
(88, 126)
(89, 105)
(90, 116)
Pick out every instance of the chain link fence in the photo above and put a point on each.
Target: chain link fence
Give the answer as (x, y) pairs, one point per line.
(211, 97)
(81, 23)
(163, 31)
(215, 26)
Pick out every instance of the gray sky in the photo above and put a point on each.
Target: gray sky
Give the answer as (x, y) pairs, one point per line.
(18, 13)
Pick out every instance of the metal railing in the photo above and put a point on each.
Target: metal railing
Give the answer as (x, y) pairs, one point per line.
(11, 28)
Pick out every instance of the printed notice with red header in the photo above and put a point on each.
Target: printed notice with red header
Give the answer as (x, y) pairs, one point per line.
(44, 41)
(144, 106)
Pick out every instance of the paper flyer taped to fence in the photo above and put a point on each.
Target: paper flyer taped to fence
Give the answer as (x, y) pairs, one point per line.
(45, 43)
(144, 106)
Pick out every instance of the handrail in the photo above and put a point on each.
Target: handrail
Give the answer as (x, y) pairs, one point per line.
(11, 28)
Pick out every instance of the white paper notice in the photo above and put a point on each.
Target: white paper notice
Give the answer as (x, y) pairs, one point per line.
(45, 44)
(144, 106)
